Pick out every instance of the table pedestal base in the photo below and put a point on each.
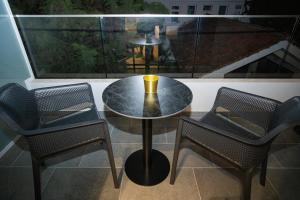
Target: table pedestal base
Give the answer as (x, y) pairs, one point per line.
(138, 173)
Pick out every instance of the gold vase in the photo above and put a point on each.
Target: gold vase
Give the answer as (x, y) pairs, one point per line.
(150, 83)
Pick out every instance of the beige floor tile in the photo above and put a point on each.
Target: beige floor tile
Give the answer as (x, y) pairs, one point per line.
(286, 182)
(288, 137)
(81, 184)
(184, 188)
(287, 154)
(84, 177)
(16, 183)
(220, 184)
(187, 157)
(123, 135)
(100, 158)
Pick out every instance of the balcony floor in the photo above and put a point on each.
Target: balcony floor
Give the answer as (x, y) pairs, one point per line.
(87, 176)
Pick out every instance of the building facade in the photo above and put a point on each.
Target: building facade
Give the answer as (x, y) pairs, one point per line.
(202, 7)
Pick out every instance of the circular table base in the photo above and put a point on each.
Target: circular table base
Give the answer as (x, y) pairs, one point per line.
(135, 170)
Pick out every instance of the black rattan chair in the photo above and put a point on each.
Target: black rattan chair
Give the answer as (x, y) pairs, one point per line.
(54, 120)
(238, 131)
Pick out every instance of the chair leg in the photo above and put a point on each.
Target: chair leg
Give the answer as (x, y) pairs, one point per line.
(174, 164)
(263, 172)
(36, 178)
(176, 153)
(111, 157)
(246, 184)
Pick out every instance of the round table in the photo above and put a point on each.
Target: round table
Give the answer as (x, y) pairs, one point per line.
(147, 44)
(127, 97)
(143, 41)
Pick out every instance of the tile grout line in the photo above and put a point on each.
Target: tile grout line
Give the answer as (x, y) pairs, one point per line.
(16, 158)
(139, 143)
(196, 184)
(9, 146)
(166, 138)
(121, 184)
(104, 167)
(272, 186)
(80, 159)
(110, 132)
(112, 129)
(287, 143)
(275, 158)
(46, 184)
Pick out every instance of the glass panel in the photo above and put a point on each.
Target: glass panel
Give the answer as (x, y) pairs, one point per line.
(243, 48)
(177, 39)
(117, 51)
(145, 45)
(63, 47)
(199, 47)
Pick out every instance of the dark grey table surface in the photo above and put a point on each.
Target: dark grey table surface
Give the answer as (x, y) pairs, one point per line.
(127, 97)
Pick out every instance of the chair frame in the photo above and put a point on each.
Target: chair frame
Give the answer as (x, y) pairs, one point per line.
(34, 136)
(244, 173)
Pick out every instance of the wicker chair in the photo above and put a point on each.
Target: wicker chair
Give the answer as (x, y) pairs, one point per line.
(54, 120)
(238, 131)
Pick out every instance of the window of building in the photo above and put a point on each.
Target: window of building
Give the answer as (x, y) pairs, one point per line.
(222, 10)
(207, 7)
(238, 7)
(175, 19)
(191, 10)
(175, 7)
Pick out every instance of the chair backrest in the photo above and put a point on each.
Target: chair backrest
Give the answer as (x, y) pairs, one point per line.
(253, 108)
(287, 115)
(60, 101)
(19, 105)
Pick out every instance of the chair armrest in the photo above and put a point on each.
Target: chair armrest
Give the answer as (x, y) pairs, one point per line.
(220, 132)
(29, 133)
(275, 132)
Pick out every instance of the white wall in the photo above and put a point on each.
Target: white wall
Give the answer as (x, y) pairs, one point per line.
(13, 60)
(204, 90)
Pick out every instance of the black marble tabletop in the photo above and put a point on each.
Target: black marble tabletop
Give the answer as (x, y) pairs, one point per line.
(143, 41)
(127, 97)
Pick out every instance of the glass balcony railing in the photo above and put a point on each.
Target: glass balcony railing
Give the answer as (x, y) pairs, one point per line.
(115, 46)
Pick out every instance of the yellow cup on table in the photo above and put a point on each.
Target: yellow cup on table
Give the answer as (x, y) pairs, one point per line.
(150, 83)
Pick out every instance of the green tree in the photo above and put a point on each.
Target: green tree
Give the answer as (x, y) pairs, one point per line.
(73, 45)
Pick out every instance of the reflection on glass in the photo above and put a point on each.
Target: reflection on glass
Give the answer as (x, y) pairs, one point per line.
(63, 47)
(190, 47)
